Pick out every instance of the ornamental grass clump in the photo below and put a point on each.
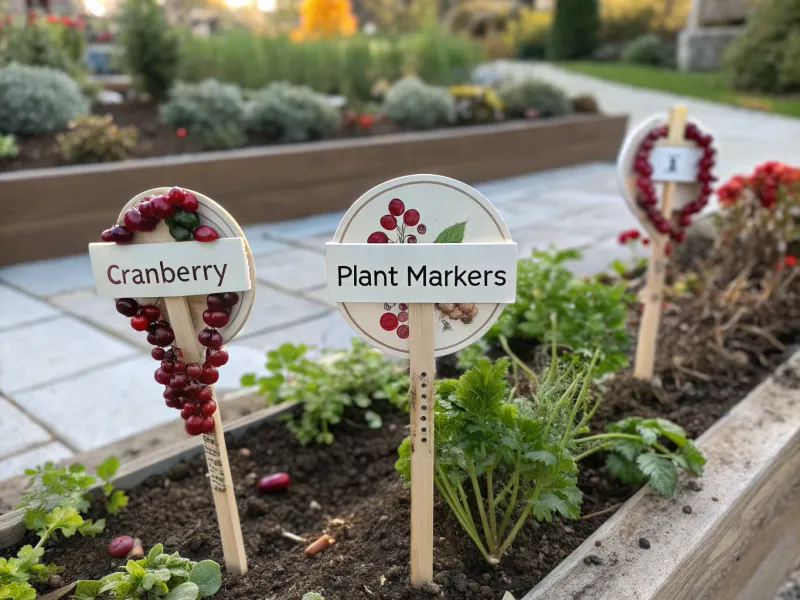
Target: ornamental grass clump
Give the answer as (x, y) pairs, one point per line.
(502, 457)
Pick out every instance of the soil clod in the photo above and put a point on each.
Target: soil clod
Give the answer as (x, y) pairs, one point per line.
(644, 543)
(687, 509)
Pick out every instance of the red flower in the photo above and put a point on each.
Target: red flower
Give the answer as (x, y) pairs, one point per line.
(32, 17)
(180, 132)
(628, 235)
(366, 121)
(52, 19)
(68, 22)
(790, 261)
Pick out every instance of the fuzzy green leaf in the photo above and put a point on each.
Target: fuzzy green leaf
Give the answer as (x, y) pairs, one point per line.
(185, 591)
(206, 575)
(87, 589)
(542, 456)
(116, 502)
(660, 472)
(623, 469)
(373, 419)
(312, 596)
(108, 468)
(452, 235)
(248, 380)
(92, 528)
(403, 464)
(15, 590)
(695, 461)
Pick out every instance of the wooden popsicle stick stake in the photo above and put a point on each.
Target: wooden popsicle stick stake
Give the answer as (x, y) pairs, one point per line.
(653, 293)
(421, 403)
(219, 471)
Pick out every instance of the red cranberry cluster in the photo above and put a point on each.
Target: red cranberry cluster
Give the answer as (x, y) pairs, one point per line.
(177, 207)
(646, 191)
(389, 222)
(395, 322)
(186, 385)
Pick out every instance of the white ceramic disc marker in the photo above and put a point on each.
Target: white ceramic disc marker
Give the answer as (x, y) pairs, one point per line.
(421, 266)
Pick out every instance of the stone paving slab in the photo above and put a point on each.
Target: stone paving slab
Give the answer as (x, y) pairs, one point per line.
(274, 309)
(19, 430)
(19, 309)
(306, 226)
(326, 331)
(52, 276)
(16, 465)
(292, 269)
(50, 350)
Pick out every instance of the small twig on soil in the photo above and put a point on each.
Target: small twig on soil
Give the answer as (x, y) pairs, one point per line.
(295, 538)
(601, 512)
(319, 545)
(676, 363)
(764, 334)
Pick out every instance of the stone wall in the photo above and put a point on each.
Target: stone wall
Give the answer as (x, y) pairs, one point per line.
(711, 26)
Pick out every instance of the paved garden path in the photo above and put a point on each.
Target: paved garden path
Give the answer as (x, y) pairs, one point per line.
(74, 376)
(744, 137)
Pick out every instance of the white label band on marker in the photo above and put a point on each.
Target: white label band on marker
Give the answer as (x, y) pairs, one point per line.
(170, 269)
(468, 272)
(675, 163)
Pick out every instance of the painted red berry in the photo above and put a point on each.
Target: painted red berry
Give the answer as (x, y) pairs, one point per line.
(215, 302)
(402, 332)
(388, 222)
(204, 395)
(194, 370)
(215, 318)
(175, 196)
(162, 208)
(210, 375)
(145, 209)
(378, 237)
(152, 312)
(204, 233)
(231, 299)
(132, 219)
(217, 358)
(194, 425)
(421, 229)
(158, 353)
(139, 322)
(161, 376)
(396, 207)
(411, 239)
(402, 317)
(189, 203)
(208, 424)
(127, 306)
(208, 409)
(402, 306)
(121, 234)
(389, 321)
(411, 217)
(107, 236)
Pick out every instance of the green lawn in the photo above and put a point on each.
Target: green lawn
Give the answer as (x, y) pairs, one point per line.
(708, 86)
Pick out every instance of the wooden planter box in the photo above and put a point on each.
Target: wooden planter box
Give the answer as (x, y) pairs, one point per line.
(739, 541)
(56, 212)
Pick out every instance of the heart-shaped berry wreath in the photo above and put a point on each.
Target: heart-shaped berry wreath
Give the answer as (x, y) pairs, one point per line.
(186, 385)
(646, 197)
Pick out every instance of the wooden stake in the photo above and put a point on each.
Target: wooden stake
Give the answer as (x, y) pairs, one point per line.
(653, 294)
(421, 402)
(219, 471)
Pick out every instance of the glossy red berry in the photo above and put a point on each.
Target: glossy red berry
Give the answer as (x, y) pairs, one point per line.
(189, 203)
(402, 332)
(208, 424)
(194, 370)
(176, 196)
(210, 338)
(685, 220)
(194, 425)
(388, 321)
(132, 219)
(178, 381)
(388, 222)
(210, 375)
(121, 234)
(167, 366)
(127, 306)
(139, 322)
(215, 302)
(204, 233)
(148, 225)
(411, 217)
(191, 391)
(215, 318)
(180, 367)
(164, 336)
(378, 237)
(170, 394)
(421, 229)
(231, 299)
(107, 236)
(208, 409)
(396, 207)
(204, 395)
(217, 358)
(162, 208)
(158, 353)
(411, 239)
(189, 409)
(162, 376)
(152, 312)
(145, 209)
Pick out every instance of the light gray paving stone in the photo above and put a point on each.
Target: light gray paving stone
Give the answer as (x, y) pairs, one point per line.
(315, 243)
(242, 359)
(553, 207)
(50, 350)
(102, 405)
(320, 295)
(305, 226)
(259, 240)
(273, 309)
(292, 269)
(598, 257)
(101, 312)
(16, 465)
(19, 309)
(19, 430)
(329, 331)
(544, 235)
(51, 276)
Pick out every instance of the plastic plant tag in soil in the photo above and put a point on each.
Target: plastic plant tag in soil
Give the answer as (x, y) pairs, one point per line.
(180, 268)
(678, 156)
(421, 266)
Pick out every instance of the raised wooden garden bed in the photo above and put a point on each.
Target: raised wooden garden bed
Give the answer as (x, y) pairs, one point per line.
(736, 540)
(53, 212)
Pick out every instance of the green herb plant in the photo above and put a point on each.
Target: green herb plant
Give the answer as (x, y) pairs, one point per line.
(8, 147)
(313, 596)
(326, 387)
(501, 458)
(54, 503)
(157, 575)
(589, 314)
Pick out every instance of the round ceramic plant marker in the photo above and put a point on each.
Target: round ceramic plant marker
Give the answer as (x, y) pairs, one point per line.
(421, 209)
(212, 214)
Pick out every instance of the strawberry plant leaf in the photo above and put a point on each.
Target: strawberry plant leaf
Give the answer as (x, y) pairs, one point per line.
(116, 502)
(661, 473)
(452, 235)
(623, 469)
(108, 468)
(695, 461)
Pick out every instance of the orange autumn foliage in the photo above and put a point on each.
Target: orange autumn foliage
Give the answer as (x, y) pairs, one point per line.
(325, 18)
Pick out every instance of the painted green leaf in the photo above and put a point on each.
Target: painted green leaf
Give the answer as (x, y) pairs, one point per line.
(452, 235)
